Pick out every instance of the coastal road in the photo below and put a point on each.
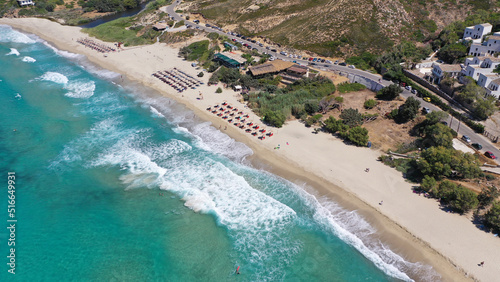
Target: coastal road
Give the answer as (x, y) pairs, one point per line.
(459, 127)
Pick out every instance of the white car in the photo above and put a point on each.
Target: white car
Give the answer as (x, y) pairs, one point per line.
(351, 67)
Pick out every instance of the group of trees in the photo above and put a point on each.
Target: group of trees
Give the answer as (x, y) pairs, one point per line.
(300, 99)
(108, 5)
(348, 127)
(475, 97)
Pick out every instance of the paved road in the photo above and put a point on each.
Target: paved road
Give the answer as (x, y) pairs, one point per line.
(459, 127)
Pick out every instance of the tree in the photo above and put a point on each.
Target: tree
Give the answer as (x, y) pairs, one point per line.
(429, 184)
(467, 165)
(438, 135)
(311, 106)
(219, 90)
(408, 111)
(492, 217)
(453, 53)
(497, 69)
(488, 195)
(435, 117)
(436, 162)
(358, 135)
(351, 117)
(390, 92)
(483, 108)
(275, 118)
(370, 103)
(463, 199)
(446, 191)
(333, 125)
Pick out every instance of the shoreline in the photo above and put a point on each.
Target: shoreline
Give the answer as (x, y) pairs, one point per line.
(344, 181)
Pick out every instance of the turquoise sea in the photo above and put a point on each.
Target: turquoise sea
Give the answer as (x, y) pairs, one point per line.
(114, 183)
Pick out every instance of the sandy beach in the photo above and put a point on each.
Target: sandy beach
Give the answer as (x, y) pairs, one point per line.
(411, 225)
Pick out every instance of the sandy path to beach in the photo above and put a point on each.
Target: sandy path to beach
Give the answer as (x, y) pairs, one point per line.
(410, 224)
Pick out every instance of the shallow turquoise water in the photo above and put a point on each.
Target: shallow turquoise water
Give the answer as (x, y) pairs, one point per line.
(114, 183)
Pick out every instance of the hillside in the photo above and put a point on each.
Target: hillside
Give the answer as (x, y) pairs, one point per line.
(337, 27)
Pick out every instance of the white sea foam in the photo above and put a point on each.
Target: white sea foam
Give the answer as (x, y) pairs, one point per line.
(155, 112)
(54, 77)
(255, 220)
(28, 59)
(351, 228)
(63, 53)
(13, 51)
(7, 34)
(80, 89)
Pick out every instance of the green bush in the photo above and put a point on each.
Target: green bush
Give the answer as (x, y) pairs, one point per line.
(370, 103)
(358, 135)
(428, 184)
(488, 195)
(201, 74)
(195, 51)
(350, 87)
(311, 106)
(492, 217)
(219, 90)
(275, 118)
(390, 92)
(440, 162)
(408, 111)
(351, 117)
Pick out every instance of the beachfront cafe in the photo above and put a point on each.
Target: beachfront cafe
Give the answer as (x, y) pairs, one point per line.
(229, 60)
(273, 67)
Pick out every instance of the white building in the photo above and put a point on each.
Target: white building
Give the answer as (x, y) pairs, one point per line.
(488, 47)
(474, 67)
(477, 32)
(440, 70)
(490, 82)
(25, 3)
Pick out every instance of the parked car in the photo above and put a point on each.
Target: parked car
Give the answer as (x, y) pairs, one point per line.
(352, 66)
(268, 48)
(322, 60)
(408, 87)
(427, 99)
(466, 138)
(490, 155)
(336, 62)
(343, 64)
(477, 146)
(273, 50)
(414, 91)
(426, 110)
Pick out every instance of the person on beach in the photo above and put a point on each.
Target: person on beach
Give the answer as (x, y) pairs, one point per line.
(481, 264)
(367, 169)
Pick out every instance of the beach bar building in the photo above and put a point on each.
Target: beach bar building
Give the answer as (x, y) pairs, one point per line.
(273, 67)
(294, 73)
(229, 60)
(25, 3)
